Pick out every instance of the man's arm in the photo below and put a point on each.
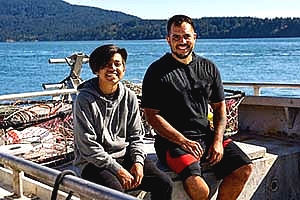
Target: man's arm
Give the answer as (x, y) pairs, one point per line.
(216, 151)
(219, 119)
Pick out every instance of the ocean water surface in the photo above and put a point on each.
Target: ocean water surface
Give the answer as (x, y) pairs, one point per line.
(24, 65)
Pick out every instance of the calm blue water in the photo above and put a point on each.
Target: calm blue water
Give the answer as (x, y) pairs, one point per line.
(24, 65)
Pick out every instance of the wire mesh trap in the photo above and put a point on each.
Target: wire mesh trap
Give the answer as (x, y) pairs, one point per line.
(233, 98)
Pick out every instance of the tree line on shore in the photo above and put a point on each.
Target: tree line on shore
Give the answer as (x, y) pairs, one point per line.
(56, 20)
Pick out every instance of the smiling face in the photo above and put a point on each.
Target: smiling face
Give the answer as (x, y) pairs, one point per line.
(108, 63)
(181, 39)
(110, 74)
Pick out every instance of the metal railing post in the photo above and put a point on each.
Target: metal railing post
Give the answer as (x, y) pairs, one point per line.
(18, 182)
(256, 90)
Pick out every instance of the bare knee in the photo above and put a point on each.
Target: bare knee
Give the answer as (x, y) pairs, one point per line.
(247, 169)
(196, 188)
(244, 172)
(233, 184)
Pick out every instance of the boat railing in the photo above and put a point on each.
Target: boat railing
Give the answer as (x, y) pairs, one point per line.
(257, 86)
(52, 93)
(84, 189)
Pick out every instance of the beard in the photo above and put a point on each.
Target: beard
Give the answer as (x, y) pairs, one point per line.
(182, 56)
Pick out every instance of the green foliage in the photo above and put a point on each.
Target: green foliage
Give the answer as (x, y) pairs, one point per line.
(54, 20)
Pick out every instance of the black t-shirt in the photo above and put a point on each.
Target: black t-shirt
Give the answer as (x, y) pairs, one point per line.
(182, 92)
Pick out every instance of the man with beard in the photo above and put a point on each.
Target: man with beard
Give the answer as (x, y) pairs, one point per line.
(177, 89)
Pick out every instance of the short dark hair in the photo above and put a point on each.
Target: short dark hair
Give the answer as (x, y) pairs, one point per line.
(178, 20)
(101, 56)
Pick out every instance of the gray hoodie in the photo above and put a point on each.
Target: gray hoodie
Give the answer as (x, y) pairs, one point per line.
(106, 129)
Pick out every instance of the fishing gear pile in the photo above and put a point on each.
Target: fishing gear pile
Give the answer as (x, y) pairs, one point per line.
(39, 131)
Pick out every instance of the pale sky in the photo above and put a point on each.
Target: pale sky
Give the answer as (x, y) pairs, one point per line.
(164, 9)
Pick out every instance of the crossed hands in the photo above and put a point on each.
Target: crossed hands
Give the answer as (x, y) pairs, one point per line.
(214, 155)
(133, 178)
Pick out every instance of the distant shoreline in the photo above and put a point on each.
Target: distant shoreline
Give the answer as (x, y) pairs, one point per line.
(51, 21)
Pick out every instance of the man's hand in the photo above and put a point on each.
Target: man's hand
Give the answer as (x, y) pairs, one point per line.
(194, 148)
(127, 180)
(138, 173)
(215, 153)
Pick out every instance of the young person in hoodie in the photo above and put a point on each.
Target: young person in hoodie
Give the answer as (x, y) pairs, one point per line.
(108, 130)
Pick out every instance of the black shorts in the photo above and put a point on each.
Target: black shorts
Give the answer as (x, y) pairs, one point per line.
(186, 165)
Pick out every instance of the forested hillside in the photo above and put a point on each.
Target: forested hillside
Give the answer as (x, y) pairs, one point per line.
(52, 20)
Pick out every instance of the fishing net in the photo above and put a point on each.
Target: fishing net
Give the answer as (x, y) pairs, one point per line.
(39, 131)
(233, 98)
